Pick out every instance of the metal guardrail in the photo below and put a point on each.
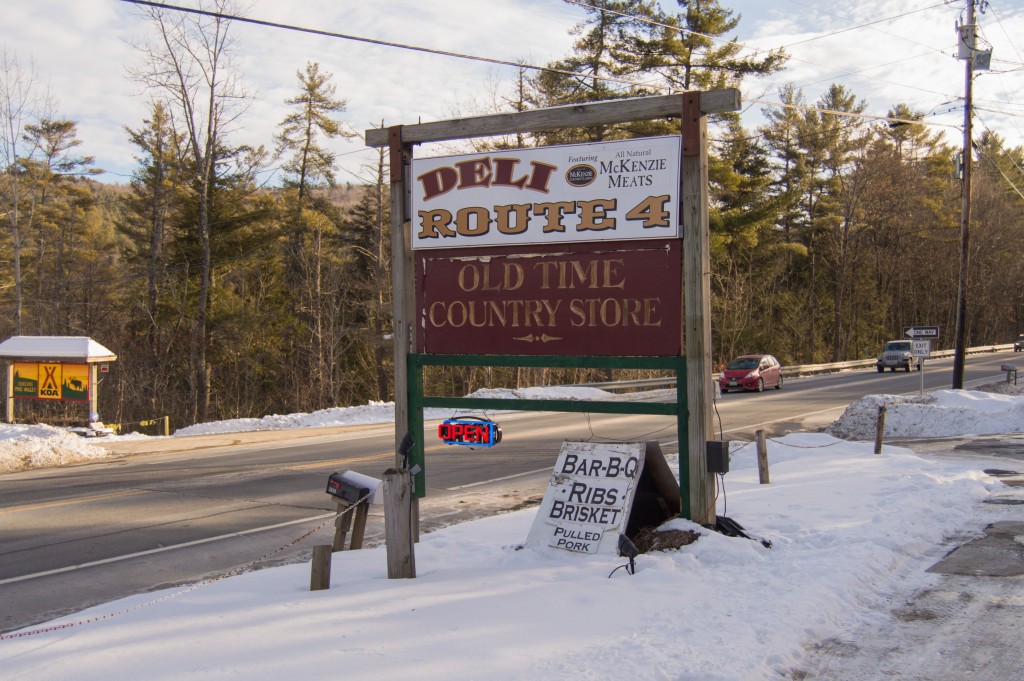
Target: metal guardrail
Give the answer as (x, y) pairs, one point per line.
(789, 371)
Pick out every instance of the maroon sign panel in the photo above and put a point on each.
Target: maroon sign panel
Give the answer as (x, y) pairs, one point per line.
(612, 298)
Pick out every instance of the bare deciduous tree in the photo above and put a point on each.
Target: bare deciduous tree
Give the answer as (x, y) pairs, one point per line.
(190, 68)
(21, 103)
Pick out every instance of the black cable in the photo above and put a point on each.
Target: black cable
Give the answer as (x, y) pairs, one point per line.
(725, 497)
(628, 570)
(374, 41)
(714, 403)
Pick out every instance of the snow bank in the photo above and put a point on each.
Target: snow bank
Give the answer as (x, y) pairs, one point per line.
(944, 413)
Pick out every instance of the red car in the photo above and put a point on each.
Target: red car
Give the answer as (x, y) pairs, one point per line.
(751, 372)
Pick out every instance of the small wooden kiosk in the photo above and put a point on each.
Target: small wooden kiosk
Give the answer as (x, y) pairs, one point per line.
(64, 368)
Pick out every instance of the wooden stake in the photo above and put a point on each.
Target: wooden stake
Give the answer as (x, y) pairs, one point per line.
(320, 572)
(398, 523)
(762, 457)
(879, 429)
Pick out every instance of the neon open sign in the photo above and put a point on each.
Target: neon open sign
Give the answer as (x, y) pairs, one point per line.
(469, 432)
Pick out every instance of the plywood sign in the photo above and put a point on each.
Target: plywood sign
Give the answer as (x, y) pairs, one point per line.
(589, 497)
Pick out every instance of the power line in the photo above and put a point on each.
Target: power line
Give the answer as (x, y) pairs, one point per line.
(374, 41)
(850, 114)
(999, 170)
(869, 68)
(757, 50)
(501, 62)
(867, 25)
(1008, 156)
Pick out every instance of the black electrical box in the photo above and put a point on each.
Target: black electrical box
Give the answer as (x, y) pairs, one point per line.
(718, 456)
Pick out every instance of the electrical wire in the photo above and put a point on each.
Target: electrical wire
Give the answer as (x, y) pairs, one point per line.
(725, 497)
(375, 41)
(851, 114)
(757, 50)
(982, 152)
(867, 25)
(269, 24)
(632, 438)
(1008, 156)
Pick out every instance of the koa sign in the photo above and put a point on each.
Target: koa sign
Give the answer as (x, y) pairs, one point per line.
(51, 381)
(570, 299)
(627, 189)
(589, 497)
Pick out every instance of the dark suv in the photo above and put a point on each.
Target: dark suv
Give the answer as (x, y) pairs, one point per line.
(1018, 344)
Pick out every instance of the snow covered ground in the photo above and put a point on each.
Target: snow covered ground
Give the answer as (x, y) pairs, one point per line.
(848, 530)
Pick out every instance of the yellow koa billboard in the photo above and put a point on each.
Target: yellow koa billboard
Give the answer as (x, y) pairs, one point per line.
(51, 381)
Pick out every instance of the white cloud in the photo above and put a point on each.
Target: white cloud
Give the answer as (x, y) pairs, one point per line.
(82, 49)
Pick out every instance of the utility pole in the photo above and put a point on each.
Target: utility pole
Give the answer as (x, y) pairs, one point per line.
(967, 44)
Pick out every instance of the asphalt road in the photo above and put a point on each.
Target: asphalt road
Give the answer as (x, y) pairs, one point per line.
(180, 510)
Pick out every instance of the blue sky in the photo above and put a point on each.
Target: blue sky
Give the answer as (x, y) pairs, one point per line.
(81, 51)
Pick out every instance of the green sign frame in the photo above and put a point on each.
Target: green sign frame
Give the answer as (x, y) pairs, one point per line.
(418, 401)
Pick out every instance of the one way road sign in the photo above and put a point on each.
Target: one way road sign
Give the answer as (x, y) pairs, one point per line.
(922, 332)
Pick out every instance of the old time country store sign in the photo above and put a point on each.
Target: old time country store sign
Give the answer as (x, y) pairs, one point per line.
(558, 250)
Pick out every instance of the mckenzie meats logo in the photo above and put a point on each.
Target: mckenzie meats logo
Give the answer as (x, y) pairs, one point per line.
(581, 175)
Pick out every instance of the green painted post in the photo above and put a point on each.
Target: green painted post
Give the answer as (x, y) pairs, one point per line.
(683, 435)
(415, 425)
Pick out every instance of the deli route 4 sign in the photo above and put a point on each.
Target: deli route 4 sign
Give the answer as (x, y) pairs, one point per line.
(626, 189)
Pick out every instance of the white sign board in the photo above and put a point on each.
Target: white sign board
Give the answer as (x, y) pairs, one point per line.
(921, 348)
(627, 189)
(922, 332)
(589, 497)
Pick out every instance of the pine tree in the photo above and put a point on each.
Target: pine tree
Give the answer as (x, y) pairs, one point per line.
(367, 232)
(309, 164)
(50, 172)
(693, 55)
(310, 228)
(190, 66)
(608, 62)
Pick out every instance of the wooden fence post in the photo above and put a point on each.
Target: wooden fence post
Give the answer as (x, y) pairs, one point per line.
(320, 570)
(398, 523)
(879, 429)
(762, 457)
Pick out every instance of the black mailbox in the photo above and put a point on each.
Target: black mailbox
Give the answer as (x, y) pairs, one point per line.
(344, 487)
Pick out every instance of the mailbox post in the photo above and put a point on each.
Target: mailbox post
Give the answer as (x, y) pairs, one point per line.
(352, 489)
